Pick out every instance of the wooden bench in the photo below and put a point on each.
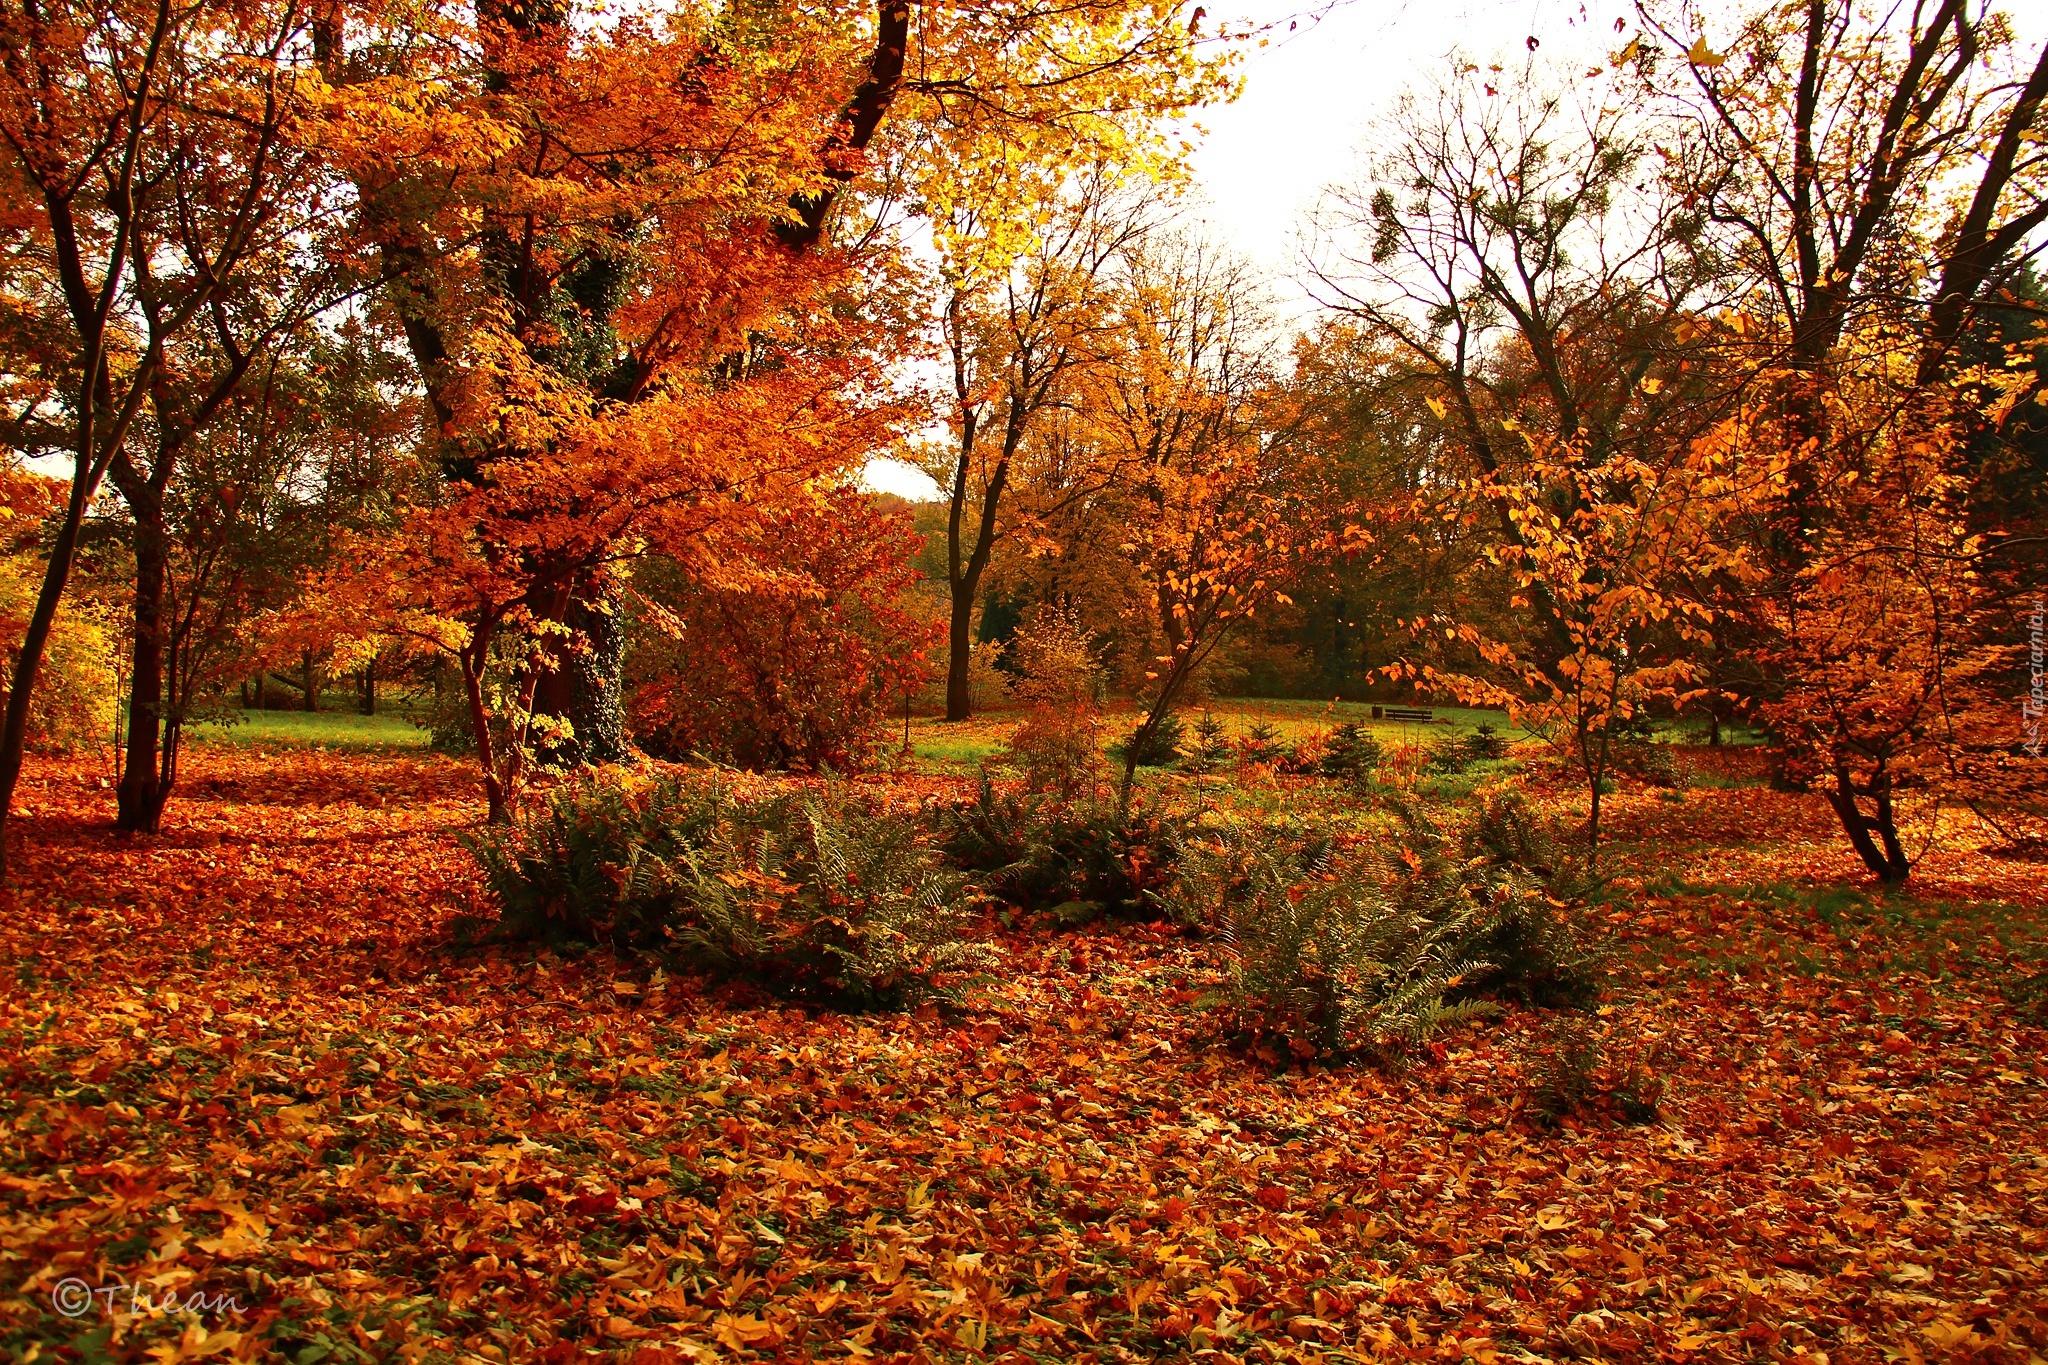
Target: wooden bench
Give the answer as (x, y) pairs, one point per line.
(1402, 713)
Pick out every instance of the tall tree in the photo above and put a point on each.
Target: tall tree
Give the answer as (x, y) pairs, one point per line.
(1546, 299)
(1019, 334)
(247, 193)
(612, 258)
(160, 158)
(1870, 181)
(1218, 511)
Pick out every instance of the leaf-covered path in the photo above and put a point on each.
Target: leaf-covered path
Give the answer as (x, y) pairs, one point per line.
(245, 1059)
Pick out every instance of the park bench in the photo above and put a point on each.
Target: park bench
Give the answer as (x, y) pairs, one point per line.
(1402, 713)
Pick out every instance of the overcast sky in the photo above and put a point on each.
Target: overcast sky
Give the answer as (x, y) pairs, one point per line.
(1311, 95)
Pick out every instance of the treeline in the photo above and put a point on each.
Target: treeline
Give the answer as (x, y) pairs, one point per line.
(534, 355)
(1704, 382)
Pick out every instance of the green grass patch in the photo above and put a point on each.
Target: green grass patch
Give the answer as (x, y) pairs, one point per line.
(984, 738)
(314, 729)
(1877, 935)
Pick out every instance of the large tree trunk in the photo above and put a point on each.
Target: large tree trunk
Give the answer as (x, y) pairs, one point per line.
(960, 654)
(139, 800)
(587, 685)
(310, 667)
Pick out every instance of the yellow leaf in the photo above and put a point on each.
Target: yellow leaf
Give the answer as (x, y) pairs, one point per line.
(1699, 54)
(1436, 407)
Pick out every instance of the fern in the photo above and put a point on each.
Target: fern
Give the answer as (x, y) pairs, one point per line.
(1321, 964)
(815, 899)
(822, 902)
(591, 864)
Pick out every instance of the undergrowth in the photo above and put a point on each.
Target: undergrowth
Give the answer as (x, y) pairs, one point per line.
(812, 898)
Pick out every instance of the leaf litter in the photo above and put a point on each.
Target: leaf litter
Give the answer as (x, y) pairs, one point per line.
(248, 1059)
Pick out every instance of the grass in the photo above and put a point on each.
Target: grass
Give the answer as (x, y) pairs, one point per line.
(964, 744)
(1294, 719)
(985, 737)
(314, 729)
(1880, 934)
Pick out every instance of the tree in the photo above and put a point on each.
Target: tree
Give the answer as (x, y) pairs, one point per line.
(311, 447)
(1019, 344)
(1865, 242)
(152, 173)
(248, 190)
(1218, 513)
(630, 238)
(790, 652)
(1888, 641)
(1548, 303)
(1886, 122)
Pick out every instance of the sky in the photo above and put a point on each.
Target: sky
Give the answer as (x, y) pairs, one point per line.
(1311, 96)
(1308, 106)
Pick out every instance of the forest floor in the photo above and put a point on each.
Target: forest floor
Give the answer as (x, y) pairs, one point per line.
(248, 1060)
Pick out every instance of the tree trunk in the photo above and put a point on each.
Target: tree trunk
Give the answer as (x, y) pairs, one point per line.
(369, 695)
(1593, 757)
(960, 653)
(312, 683)
(139, 800)
(498, 808)
(587, 685)
(1887, 863)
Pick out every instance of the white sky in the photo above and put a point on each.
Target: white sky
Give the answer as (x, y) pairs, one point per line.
(1310, 96)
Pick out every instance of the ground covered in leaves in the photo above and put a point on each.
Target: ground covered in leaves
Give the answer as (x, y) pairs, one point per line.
(249, 1060)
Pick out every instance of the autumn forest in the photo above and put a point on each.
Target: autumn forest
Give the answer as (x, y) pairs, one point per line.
(723, 680)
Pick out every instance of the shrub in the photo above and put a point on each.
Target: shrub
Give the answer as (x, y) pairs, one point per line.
(74, 700)
(1161, 747)
(1059, 743)
(1095, 859)
(1332, 957)
(445, 717)
(1259, 744)
(991, 832)
(1301, 759)
(1634, 751)
(1210, 748)
(591, 864)
(1577, 1063)
(798, 665)
(1320, 964)
(1486, 742)
(812, 899)
(1352, 756)
(1449, 754)
(824, 903)
(1078, 861)
(1649, 762)
(1533, 946)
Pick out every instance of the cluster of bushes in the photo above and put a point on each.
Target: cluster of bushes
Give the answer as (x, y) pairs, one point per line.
(1339, 952)
(1328, 952)
(812, 897)
(1077, 860)
(1349, 753)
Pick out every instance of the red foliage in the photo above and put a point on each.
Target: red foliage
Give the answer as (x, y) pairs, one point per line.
(793, 664)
